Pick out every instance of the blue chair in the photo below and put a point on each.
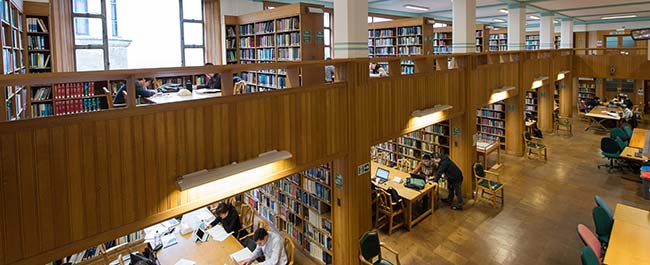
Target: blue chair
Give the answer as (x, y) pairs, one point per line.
(603, 224)
(603, 204)
(588, 257)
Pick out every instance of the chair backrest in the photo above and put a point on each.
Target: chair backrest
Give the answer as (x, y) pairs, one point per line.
(588, 257)
(608, 145)
(369, 245)
(109, 97)
(589, 239)
(618, 132)
(386, 201)
(527, 137)
(263, 224)
(290, 248)
(239, 87)
(602, 222)
(404, 165)
(246, 215)
(478, 170)
(603, 204)
(628, 131)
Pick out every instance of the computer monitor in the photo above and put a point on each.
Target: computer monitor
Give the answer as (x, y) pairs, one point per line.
(200, 235)
(382, 174)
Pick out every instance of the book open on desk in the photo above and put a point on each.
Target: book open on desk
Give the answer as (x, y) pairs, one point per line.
(218, 233)
(242, 255)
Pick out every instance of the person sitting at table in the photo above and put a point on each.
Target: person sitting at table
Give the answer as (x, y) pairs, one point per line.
(592, 103)
(425, 167)
(376, 69)
(212, 81)
(627, 113)
(140, 90)
(269, 244)
(228, 217)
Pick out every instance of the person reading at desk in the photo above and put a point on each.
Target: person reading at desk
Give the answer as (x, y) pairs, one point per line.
(140, 90)
(228, 217)
(454, 178)
(425, 167)
(269, 244)
(211, 81)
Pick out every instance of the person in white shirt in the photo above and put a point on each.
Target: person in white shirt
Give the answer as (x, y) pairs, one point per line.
(271, 245)
(627, 113)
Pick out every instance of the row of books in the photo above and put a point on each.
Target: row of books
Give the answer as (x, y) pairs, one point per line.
(415, 30)
(503, 47)
(288, 39)
(501, 36)
(42, 93)
(264, 27)
(9, 64)
(42, 110)
(416, 40)
(73, 90)
(77, 106)
(438, 129)
(231, 43)
(36, 25)
(383, 42)
(318, 189)
(265, 41)
(530, 108)
(246, 42)
(407, 151)
(490, 122)
(496, 106)
(38, 42)
(39, 60)
(288, 54)
(247, 54)
(316, 236)
(381, 33)
(441, 43)
(246, 29)
(435, 147)
(267, 80)
(408, 69)
(318, 253)
(288, 24)
(493, 131)
(315, 219)
(385, 51)
(231, 56)
(267, 54)
(490, 114)
(411, 50)
(442, 35)
(531, 101)
(532, 37)
(230, 31)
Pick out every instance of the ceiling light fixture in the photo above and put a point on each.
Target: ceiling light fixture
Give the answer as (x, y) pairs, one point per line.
(205, 176)
(539, 82)
(499, 20)
(533, 17)
(429, 111)
(503, 89)
(562, 75)
(617, 17)
(503, 10)
(414, 7)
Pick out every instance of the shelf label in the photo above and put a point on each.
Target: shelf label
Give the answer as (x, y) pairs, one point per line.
(320, 37)
(338, 181)
(363, 169)
(306, 36)
(456, 131)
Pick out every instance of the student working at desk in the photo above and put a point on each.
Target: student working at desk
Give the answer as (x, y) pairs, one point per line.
(271, 245)
(228, 217)
(454, 178)
(140, 90)
(211, 81)
(425, 167)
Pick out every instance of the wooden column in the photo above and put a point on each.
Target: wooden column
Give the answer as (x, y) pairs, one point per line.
(62, 36)
(566, 96)
(212, 31)
(545, 105)
(514, 108)
(462, 129)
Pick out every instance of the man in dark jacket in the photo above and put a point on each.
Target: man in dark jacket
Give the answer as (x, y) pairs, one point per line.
(229, 218)
(140, 90)
(213, 81)
(454, 178)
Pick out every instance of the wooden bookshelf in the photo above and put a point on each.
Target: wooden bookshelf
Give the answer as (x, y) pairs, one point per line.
(94, 254)
(532, 41)
(300, 206)
(412, 146)
(442, 38)
(15, 97)
(498, 40)
(586, 88)
(482, 35)
(402, 37)
(286, 33)
(491, 122)
(37, 37)
(232, 39)
(531, 103)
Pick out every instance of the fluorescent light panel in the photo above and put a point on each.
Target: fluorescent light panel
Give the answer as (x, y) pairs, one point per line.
(617, 17)
(503, 89)
(562, 75)
(207, 176)
(414, 7)
(499, 20)
(503, 10)
(435, 109)
(533, 17)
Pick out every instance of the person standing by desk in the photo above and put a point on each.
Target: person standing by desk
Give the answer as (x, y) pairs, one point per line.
(271, 245)
(454, 178)
(229, 218)
(140, 90)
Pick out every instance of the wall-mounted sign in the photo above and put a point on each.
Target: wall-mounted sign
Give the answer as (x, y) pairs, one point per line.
(456, 131)
(338, 181)
(363, 169)
(306, 36)
(320, 37)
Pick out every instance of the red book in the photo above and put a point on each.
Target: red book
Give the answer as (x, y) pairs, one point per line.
(645, 175)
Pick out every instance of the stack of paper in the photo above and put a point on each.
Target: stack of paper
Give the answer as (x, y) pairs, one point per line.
(241, 255)
(185, 262)
(218, 233)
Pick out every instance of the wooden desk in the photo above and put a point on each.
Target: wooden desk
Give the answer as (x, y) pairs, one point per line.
(632, 215)
(628, 153)
(409, 195)
(628, 244)
(163, 98)
(205, 253)
(597, 116)
(638, 138)
(494, 146)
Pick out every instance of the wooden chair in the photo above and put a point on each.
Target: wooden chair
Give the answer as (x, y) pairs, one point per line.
(260, 224)
(290, 248)
(388, 210)
(561, 123)
(247, 218)
(403, 165)
(239, 87)
(370, 248)
(109, 99)
(487, 186)
(382, 158)
(534, 145)
(115, 253)
(639, 111)
(582, 110)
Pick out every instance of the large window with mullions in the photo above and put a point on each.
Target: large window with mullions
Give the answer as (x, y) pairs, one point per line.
(127, 34)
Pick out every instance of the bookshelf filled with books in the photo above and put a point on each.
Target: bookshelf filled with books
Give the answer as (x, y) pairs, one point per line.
(286, 33)
(531, 105)
(586, 88)
(481, 35)
(498, 40)
(13, 50)
(491, 122)
(300, 206)
(532, 41)
(412, 146)
(38, 44)
(442, 38)
(403, 37)
(94, 253)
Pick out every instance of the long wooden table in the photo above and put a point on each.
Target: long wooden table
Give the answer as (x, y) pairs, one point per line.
(162, 98)
(204, 253)
(629, 242)
(598, 116)
(636, 144)
(409, 195)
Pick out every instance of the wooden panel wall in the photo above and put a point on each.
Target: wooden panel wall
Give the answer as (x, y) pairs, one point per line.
(212, 24)
(63, 37)
(629, 66)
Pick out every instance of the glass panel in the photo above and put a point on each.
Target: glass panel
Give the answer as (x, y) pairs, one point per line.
(611, 85)
(87, 7)
(193, 33)
(88, 31)
(111, 17)
(611, 42)
(381, 19)
(627, 86)
(369, 19)
(194, 57)
(328, 53)
(327, 37)
(192, 9)
(153, 42)
(326, 20)
(89, 59)
(627, 42)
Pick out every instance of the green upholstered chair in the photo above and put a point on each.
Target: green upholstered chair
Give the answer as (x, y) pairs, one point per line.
(370, 248)
(628, 131)
(603, 204)
(488, 186)
(588, 257)
(562, 124)
(534, 145)
(611, 150)
(603, 224)
(619, 133)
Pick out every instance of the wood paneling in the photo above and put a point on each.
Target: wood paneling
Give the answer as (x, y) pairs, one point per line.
(63, 37)
(633, 66)
(212, 31)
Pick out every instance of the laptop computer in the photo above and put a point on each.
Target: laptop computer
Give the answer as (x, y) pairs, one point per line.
(382, 175)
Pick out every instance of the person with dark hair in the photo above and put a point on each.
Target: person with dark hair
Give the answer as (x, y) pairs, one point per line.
(454, 179)
(377, 70)
(140, 90)
(228, 217)
(329, 72)
(269, 244)
(212, 81)
(425, 167)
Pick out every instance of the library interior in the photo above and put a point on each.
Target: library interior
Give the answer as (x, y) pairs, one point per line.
(191, 132)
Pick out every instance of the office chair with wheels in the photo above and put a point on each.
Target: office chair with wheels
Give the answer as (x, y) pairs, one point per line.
(370, 248)
(589, 239)
(588, 257)
(603, 225)
(628, 131)
(611, 150)
(600, 202)
(619, 133)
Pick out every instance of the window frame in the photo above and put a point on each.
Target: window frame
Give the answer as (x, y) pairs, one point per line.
(201, 21)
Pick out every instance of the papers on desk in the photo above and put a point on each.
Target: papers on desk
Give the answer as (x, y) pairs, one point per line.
(397, 180)
(207, 91)
(169, 240)
(241, 255)
(613, 114)
(218, 233)
(185, 262)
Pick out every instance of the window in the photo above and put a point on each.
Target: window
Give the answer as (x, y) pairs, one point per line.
(372, 19)
(126, 34)
(627, 42)
(611, 85)
(611, 42)
(327, 32)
